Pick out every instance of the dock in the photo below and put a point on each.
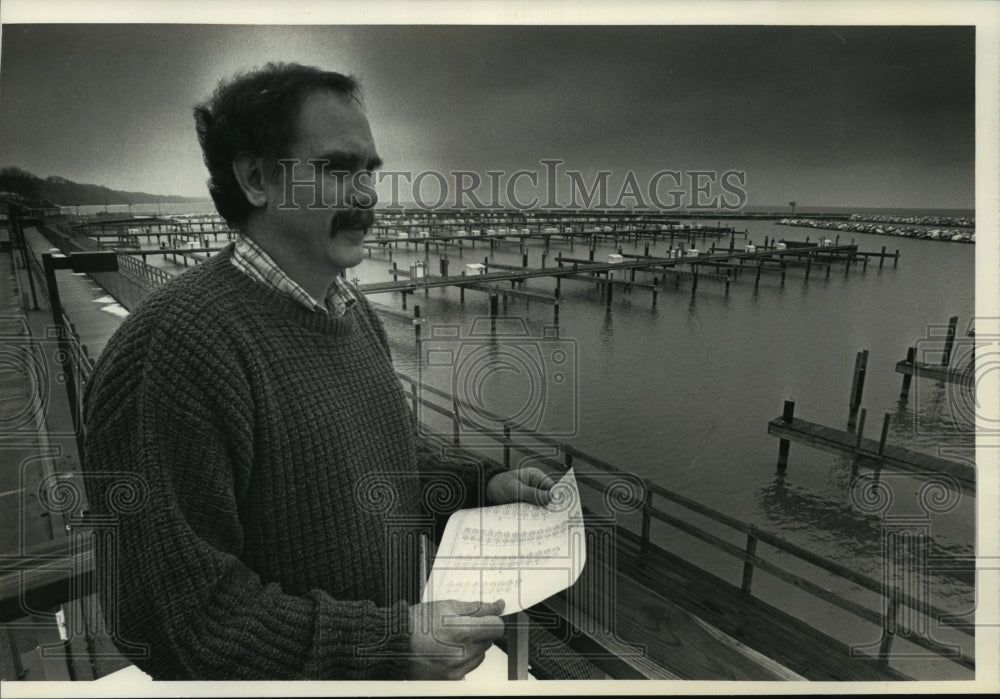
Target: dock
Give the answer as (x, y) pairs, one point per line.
(640, 611)
(871, 453)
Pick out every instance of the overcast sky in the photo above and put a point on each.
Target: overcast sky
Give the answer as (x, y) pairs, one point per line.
(834, 116)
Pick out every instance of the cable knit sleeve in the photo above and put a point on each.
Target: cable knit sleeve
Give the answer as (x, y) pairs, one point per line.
(176, 423)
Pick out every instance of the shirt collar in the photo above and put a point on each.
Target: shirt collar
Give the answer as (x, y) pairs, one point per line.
(252, 260)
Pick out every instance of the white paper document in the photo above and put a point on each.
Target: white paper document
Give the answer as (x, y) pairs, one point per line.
(517, 552)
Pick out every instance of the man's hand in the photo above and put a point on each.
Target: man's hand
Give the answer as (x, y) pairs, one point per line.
(530, 485)
(450, 638)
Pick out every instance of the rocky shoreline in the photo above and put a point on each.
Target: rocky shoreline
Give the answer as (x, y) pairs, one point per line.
(956, 230)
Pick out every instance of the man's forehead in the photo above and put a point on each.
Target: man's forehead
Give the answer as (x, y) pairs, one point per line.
(329, 120)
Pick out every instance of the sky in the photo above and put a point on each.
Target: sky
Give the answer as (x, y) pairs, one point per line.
(824, 115)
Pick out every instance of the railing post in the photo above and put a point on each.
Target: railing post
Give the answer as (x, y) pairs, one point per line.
(517, 648)
(751, 550)
(889, 625)
(506, 446)
(415, 402)
(647, 503)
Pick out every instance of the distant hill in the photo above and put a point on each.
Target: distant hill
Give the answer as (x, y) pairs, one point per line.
(63, 192)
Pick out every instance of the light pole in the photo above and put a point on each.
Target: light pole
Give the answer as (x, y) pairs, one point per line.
(87, 262)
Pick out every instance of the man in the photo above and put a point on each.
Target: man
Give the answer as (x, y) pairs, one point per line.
(251, 403)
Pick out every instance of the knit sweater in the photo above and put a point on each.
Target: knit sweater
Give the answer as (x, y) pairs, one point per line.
(272, 485)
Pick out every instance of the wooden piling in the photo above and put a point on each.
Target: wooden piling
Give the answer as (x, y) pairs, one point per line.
(861, 430)
(416, 324)
(911, 356)
(881, 258)
(885, 433)
(949, 341)
(788, 414)
(494, 310)
(858, 384)
(611, 285)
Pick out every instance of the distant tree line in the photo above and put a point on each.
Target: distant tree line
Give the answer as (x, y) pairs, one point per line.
(28, 187)
(21, 183)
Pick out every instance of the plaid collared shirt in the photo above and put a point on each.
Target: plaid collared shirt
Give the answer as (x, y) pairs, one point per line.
(250, 258)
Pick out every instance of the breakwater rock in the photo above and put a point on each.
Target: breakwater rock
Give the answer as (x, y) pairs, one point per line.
(957, 230)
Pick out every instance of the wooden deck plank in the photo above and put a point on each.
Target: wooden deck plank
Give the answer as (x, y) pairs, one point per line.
(751, 621)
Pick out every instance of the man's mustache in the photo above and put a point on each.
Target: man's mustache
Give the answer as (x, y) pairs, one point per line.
(351, 218)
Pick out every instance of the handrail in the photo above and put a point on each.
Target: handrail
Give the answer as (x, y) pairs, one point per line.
(777, 542)
(748, 556)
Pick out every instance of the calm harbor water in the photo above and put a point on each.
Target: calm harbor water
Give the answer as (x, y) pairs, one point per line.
(682, 393)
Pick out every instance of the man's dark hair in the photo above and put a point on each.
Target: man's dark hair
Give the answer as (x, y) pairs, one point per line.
(256, 113)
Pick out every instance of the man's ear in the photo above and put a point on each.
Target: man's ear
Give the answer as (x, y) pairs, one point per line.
(249, 173)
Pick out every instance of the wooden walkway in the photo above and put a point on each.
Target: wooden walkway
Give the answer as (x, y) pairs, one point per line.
(867, 453)
(788, 646)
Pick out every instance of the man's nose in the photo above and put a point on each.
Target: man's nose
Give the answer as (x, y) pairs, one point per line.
(364, 189)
